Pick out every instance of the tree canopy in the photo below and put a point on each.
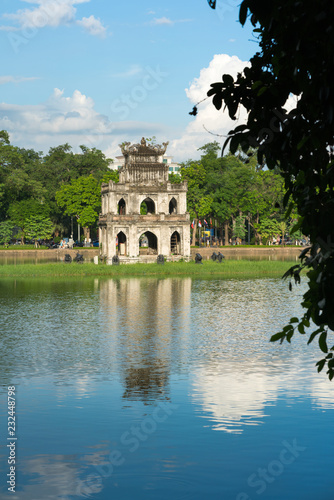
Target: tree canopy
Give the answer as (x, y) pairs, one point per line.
(29, 182)
(288, 94)
(82, 199)
(231, 190)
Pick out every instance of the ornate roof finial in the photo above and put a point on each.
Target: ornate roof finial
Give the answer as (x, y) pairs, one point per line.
(143, 148)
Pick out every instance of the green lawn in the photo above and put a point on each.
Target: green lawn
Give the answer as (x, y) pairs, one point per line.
(227, 269)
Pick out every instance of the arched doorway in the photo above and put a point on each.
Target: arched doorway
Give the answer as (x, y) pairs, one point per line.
(173, 206)
(148, 244)
(147, 207)
(122, 207)
(175, 243)
(121, 243)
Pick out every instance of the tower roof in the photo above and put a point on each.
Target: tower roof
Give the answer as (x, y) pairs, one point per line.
(143, 163)
(143, 149)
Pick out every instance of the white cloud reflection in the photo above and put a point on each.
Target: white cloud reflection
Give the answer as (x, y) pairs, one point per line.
(232, 398)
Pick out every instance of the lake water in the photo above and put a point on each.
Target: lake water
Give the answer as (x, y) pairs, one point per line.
(161, 389)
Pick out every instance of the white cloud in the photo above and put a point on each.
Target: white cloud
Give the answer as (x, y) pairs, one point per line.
(71, 119)
(48, 13)
(216, 122)
(166, 21)
(8, 28)
(162, 20)
(93, 26)
(134, 69)
(74, 119)
(52, 13)
(58, 115)
(16, 79)
(209, 124)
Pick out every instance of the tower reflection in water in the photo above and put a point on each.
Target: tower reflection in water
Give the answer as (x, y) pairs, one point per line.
(147, 322)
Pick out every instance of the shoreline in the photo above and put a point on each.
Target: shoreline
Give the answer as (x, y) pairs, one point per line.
(206, 252)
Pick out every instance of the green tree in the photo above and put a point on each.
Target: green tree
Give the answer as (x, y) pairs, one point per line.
(239, 187)
(6, 231)
(239, 229)
(222, 189)
(111, 175)
(283, 227)
(38, 228)
(234, 186)
(17, 175)
(199, 202)
(91, 162)
(268, 228)
(61, 166)
(297, 139)
(82, 199)
(21, 211)
(174, 178)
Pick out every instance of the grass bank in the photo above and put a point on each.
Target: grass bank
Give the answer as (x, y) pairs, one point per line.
(21, 248)
(227, 269)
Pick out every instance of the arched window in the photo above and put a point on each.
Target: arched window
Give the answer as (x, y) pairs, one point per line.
(173, 206)
(175, 246)
(148, 244)
(147, 207)
(121, 243)
(122, 207)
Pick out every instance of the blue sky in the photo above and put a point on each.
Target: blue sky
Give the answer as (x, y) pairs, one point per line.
(100, 72)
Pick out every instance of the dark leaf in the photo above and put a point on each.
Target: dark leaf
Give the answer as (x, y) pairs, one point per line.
(257, 84)
(232, 109)
(304, 252)
(331, 363)
(243, 12)
(212, 3)
(297, 226)
(253, 20)
(296, 276)
(234, 144)
(228, 80)
(289, 336)
(290, 272)
(277, 336)
(262, 91)
(320, 364)
(301, 328)
(322, 342)
(314, 334)
(239, 128)
(216, 87)
(217, 101)
(226, 144)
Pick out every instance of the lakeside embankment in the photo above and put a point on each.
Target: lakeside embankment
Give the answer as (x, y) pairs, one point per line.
(230, 252)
